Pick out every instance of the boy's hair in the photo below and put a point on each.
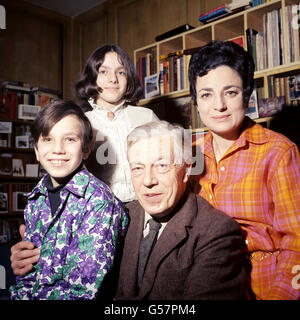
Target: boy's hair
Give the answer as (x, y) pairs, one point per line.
(219, 53)
(56, 111)
(86, 86)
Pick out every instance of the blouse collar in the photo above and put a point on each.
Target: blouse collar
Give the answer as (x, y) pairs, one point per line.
(98, 107)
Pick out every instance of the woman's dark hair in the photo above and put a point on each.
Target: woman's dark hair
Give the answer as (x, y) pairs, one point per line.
(86, 86)
(56, 111)
(219, 53)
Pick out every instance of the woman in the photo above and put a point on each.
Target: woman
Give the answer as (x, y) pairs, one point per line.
(251, 173)
(107, 85)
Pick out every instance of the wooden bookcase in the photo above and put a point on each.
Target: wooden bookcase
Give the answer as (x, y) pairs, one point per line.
(228, 28)
(16, 147)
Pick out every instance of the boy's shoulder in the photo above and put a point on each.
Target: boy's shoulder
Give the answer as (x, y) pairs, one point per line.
(95, 185)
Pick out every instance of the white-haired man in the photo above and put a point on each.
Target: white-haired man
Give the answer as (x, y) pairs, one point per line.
(197, 253)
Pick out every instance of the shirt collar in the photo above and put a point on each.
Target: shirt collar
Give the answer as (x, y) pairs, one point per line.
(115, 110)
(147, 218)
(76, 185)
(252, 132)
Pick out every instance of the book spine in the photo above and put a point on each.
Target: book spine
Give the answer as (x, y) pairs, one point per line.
(214, 14)
(161, 78)
(212, 10)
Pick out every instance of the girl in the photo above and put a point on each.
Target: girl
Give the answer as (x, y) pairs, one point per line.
(108, 84)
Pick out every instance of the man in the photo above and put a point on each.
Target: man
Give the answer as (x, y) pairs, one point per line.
(197, 253)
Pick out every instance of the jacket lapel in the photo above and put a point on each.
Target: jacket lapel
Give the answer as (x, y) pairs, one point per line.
(174, 232)
(129, 265)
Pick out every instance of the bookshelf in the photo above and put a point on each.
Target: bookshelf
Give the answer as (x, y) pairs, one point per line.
(19, 171)
(276, 52)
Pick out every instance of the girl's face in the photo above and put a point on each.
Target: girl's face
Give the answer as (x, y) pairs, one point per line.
(112, 79)
(220, 101)
(60, 152)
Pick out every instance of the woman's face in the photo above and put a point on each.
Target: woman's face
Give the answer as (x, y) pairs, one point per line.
(220, 101)
(112, 80)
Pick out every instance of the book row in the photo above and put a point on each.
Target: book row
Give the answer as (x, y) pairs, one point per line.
(16, 135)
(224, 10)
(23, 102)
(171, 74)
(266, 45)
(288, 86)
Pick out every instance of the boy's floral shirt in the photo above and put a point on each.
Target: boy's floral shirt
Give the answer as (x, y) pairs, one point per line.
(77, 243)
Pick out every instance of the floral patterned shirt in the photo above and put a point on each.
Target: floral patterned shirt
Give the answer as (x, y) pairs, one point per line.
(77, 243)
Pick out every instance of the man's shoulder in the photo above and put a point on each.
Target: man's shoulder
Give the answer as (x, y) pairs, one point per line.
(132, 206)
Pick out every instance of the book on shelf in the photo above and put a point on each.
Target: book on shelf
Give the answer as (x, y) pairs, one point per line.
(270, 106)
(146, 65)
(174, 32)
(151, 85)
(240, 40)
(238, 4)
(22, 142)
(266, 45)
(217, 12)
(172, 72)
(7, 105)
(292, 13)
(18, 195)
(294, 87)
(5, 134)
(287, 86)
(216, 9)
(5, 140)
(15, 87)
(15, 196)
(5, 127)
(27, 111)
(255, 3)
(17, 168)
(3, 202)
(19, 201)
(252, 110)
(251, 43)
(17, 96)
(6, 164)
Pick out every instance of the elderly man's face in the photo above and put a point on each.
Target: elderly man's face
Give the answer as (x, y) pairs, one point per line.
(158, 183)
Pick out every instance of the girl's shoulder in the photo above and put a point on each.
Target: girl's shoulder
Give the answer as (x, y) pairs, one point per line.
(140, 115)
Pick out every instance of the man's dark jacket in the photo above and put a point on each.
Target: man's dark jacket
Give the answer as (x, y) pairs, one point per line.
(197, 256)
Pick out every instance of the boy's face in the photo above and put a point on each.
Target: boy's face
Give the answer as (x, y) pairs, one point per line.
(60, 152)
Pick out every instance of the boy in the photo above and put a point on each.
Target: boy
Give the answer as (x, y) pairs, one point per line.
(71, 216)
